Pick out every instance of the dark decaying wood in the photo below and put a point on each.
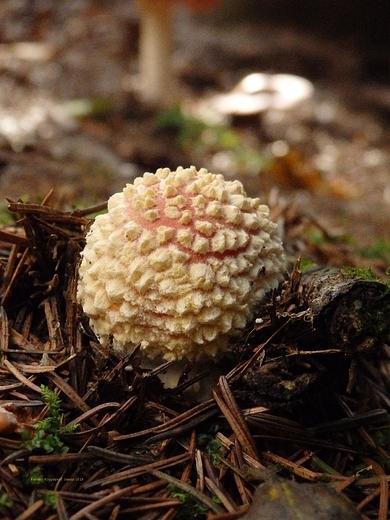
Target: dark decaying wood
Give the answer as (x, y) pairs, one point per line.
(349, 312)
(328, 322)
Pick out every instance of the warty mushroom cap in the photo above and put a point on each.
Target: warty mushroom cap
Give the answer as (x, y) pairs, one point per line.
(178, 264)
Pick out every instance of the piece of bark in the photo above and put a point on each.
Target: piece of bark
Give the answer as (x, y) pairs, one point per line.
(312, 336)
(348, 311)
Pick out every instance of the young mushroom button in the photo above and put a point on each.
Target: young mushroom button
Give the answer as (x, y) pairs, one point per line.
(178, 263)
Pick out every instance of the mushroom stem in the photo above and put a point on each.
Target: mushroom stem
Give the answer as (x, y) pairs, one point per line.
(156, 43)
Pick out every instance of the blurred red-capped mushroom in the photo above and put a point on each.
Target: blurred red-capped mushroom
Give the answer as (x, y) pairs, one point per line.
(157, 80)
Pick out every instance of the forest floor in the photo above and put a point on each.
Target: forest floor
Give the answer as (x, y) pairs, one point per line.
(304, 391)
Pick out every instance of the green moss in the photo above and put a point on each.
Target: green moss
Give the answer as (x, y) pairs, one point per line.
(375, 313)
(186, 128)
(306, 264)
(360, 272)
(380, 249)
(316, 236)
(201, 138)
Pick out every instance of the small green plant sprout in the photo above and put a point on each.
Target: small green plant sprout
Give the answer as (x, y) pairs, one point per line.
(190, 507)
(50, 499)
(5, 501)
(33, 476)
(214, 451)
(211, 446)
(48, 431)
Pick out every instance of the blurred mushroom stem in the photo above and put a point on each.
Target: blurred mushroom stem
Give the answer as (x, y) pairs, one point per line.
(156, 43)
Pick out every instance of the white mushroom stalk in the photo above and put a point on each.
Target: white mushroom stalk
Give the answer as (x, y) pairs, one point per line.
(158, 83)
(156, 44)
(178, 264)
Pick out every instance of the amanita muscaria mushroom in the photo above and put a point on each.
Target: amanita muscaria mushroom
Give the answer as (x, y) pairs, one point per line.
(157, 80)
(178, 264)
